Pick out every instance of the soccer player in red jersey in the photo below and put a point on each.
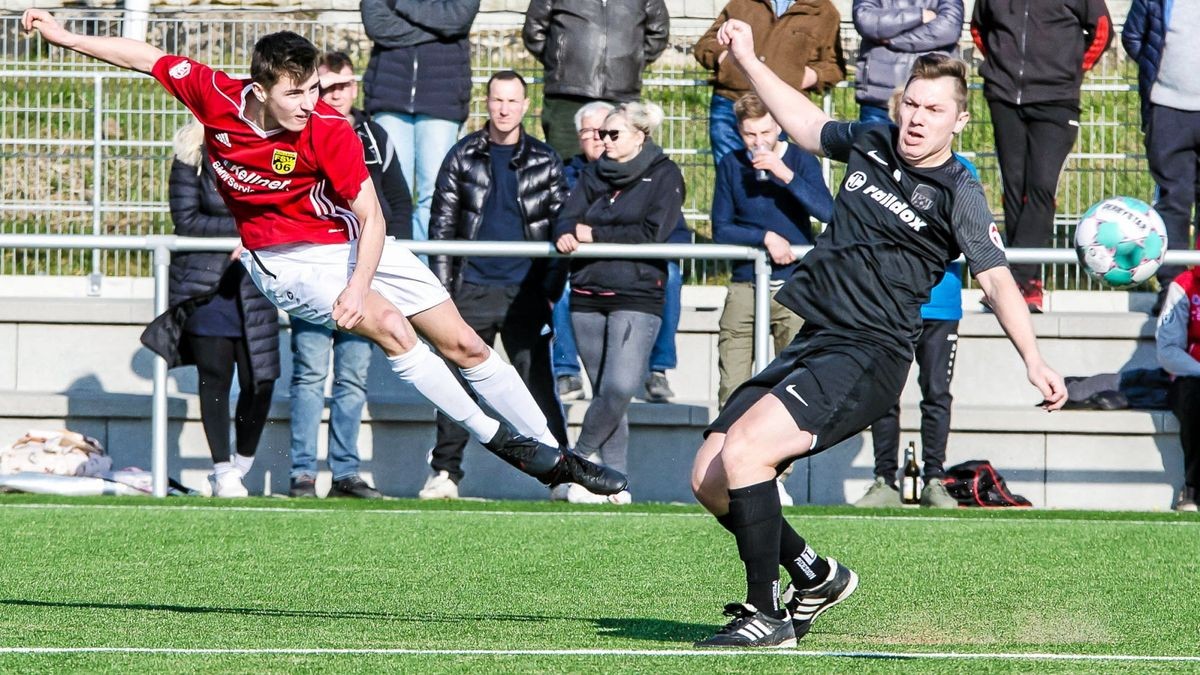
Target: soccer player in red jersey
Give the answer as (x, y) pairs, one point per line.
(291, 170)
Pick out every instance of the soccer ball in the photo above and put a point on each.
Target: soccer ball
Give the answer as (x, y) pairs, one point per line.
(1121, 241)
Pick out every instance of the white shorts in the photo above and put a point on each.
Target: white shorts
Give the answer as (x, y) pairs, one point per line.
(305, 279)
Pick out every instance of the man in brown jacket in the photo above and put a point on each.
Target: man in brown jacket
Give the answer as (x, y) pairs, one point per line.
(798, 39)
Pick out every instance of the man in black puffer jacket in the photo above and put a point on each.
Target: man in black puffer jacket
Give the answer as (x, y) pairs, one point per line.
(500, 184)
(418, 84)
(592, 51)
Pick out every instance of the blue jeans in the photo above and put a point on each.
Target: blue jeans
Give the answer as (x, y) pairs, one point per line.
(421, 144)
(663, 357)
(310, 365)
(723, 129)
(873, 113)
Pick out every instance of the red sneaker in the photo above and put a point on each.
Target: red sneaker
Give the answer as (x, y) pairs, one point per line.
(1032, 292)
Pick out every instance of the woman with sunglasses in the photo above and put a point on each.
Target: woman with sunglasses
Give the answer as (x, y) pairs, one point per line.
(632, 194)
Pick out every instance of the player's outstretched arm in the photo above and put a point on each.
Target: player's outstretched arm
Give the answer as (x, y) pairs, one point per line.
(119, 51)
(1011, 311)
(797, 115)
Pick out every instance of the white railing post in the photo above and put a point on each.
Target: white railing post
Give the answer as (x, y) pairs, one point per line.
(158, 406)
(94, 279)
(762, 310)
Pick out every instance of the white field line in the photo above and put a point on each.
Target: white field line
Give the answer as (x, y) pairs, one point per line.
(586, 514)
(785, 653)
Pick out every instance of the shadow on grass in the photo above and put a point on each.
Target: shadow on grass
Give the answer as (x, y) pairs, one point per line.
(634, 628)
(267, 611)
(656, 630)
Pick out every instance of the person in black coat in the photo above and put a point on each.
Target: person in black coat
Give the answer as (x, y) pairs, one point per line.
(217, 318)
(633, 194)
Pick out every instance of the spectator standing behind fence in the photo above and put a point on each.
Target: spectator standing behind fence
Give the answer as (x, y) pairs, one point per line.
(633, 194)
(1035, 54)
(894, 33)
(418, 84)
(799, 39)
(500, 184)
(1178, 341)
(1158, 35)
(592, 51)
(217, 320)
(663, 356)
(765, 196)
(351, 353)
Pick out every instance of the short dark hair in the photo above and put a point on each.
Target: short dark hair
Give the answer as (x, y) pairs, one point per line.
(505, 76)
(282, 54)
(749, 107)
(337, 61)
(936, 65)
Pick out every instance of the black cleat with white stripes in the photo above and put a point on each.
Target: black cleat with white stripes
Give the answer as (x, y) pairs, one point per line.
(806, 604)
(752, 628)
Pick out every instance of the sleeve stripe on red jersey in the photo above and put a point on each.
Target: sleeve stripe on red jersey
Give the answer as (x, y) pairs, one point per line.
(326, 209)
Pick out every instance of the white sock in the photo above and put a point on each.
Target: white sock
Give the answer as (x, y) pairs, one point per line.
(497, 383)
(222, 467)
(242, 464)
(429, 374)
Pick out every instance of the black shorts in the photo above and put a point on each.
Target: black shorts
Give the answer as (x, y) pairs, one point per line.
(834, 386)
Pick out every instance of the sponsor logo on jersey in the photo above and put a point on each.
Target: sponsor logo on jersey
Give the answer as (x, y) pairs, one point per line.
(180, 70)
(923, 196)
(855, 180)
(896, 205)
(223, 139)
(875, 156)
(243, 180)
(283, 161)
(994, 235)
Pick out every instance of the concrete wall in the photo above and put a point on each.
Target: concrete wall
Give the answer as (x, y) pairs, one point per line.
(76, 362)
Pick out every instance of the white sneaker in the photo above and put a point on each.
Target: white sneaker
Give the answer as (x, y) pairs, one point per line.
(227, 484)
(439, 486)
(784, 498)
(558, 493)
(622, 498)
(577, 494)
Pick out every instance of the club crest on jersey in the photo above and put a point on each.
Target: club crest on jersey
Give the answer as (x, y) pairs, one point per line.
(283, 161)
(923, 196)
(855, 180)
(180, 70)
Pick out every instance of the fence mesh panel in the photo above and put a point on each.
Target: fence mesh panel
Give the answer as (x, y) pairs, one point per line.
(50, 116)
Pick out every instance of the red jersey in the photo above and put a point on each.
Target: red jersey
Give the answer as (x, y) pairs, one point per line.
(1189, 281)
(281, 186)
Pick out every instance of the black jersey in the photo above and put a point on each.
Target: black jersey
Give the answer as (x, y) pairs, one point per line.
(895, 228)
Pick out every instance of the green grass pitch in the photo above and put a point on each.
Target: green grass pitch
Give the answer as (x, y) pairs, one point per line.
(402, 586)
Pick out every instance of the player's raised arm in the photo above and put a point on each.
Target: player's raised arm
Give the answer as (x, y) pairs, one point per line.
(1006, 301)
(797, 115)
(119, 51)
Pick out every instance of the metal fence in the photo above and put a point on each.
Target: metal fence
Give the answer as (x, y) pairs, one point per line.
(86, 149)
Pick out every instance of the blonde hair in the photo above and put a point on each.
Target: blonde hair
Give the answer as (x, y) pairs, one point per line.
(645, 117)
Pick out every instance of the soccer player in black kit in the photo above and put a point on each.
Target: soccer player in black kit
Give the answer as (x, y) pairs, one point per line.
(906, 208)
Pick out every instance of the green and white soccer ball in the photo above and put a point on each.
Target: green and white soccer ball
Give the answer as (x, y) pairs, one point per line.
(1121, 241)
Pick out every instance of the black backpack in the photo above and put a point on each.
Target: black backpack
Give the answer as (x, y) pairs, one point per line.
(977, 483)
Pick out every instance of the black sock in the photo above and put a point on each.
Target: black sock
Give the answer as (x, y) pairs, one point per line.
(754, 518)
(804, 565)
